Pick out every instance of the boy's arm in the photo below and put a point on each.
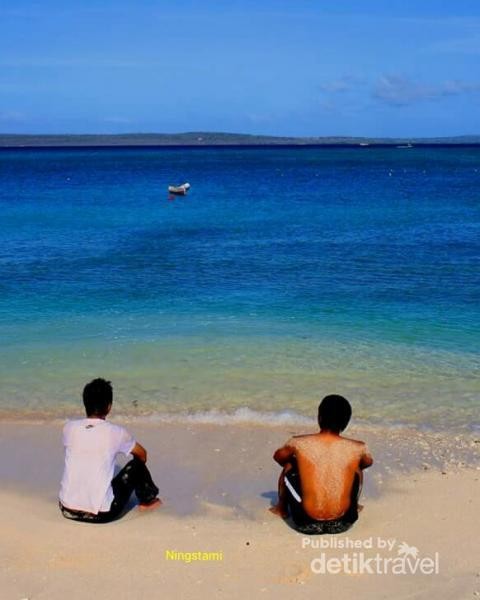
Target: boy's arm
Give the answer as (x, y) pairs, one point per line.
(139, 452)
(283, 454)
(366, 459)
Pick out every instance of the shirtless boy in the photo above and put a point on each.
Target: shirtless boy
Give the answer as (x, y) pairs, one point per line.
(321, 478)
(89, 492)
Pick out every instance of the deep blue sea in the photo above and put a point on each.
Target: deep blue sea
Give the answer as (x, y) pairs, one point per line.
(284, 275)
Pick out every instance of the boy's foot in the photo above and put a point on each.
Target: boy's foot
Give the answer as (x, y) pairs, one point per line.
(279, 511)
(156, 503)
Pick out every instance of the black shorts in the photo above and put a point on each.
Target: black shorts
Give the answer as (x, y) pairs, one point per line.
(303, 523)
(134, 477)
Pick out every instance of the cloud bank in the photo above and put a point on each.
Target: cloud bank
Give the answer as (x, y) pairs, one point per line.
(397, 90)
(394, 89)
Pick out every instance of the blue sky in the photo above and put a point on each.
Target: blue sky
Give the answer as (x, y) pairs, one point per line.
(378, 68)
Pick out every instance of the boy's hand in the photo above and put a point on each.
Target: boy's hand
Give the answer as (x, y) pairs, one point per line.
(366, 460)
(139, 452)
(283, 455)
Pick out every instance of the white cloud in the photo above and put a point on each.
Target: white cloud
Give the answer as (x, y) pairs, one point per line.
(455, 86)
(335, 86)
(468, 44)
(345, 83)
(398, 90)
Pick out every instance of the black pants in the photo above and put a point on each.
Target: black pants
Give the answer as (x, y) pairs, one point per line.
(303, 523)
(134, 477)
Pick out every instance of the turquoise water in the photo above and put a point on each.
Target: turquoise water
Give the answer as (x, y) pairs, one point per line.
(286, 274)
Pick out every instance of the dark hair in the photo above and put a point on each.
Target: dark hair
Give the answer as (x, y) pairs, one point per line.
(334, 413)
(97, 396)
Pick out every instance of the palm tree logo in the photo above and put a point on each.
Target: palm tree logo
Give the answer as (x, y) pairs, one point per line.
(405, 550)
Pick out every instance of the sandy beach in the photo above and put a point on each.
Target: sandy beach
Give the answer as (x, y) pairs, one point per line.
(222, 225)
(215, 537)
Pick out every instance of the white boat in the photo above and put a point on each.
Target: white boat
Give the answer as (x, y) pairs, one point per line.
(179, 190)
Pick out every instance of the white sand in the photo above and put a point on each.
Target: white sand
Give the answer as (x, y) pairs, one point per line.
(44, 556)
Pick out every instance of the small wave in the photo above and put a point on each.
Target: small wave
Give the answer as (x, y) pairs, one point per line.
(246, 415)
(243, 415)
(218, 417)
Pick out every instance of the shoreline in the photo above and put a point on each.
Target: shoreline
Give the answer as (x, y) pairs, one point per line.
(248, 146)
(236, 416)
(215, 139)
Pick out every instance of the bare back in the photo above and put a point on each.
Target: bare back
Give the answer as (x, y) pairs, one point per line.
(327, 466)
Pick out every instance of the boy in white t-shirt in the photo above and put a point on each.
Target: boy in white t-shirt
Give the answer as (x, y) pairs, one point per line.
(89, 491)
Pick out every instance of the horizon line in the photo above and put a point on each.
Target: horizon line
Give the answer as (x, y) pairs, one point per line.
(236, 134)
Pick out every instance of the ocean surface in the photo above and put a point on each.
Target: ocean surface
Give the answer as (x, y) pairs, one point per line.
(285, 274)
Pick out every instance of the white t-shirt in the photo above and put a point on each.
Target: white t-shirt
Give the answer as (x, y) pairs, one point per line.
(91, 445)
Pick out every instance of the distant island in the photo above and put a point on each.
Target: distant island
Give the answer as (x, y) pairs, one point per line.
(215, 139)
